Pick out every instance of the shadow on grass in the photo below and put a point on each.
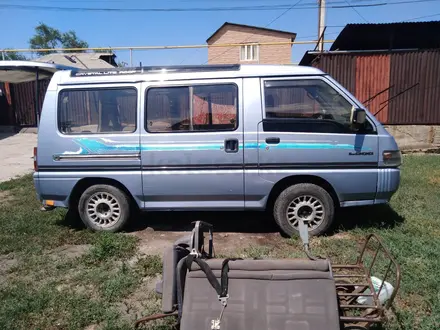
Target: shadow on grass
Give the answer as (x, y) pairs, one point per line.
(238, 221)
(375, 216)
(245, 222)
(71, 220)
(379, 216)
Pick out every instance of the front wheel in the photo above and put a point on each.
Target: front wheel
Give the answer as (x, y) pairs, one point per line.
(307, 202)
(104, 208)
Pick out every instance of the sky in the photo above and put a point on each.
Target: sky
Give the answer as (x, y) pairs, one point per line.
(141, 28)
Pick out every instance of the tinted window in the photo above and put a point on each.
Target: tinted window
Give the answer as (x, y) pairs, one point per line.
(305, 99)
(98, 110)
(192, 108)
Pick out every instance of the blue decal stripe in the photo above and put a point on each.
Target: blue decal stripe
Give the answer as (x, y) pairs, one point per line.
(95, 146)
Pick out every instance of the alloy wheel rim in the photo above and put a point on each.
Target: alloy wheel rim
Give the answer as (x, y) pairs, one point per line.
(103, 209)
(307, 208)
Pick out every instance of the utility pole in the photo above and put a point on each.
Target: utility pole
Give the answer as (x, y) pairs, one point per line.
(321, 25)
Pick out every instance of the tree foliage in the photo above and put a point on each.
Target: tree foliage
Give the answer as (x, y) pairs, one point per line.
(12, 56)
(47, 37)
(70, 40)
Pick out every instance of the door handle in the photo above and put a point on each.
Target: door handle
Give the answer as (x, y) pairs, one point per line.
(272, 140)
(231, 145)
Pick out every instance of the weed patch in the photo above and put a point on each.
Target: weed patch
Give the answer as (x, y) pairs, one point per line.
(111, 246)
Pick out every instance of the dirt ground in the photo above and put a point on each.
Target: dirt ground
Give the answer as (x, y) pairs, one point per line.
(16, 151)
(233, 231)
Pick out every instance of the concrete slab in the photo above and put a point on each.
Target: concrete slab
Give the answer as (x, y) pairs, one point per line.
(16, 151)
(410, 137)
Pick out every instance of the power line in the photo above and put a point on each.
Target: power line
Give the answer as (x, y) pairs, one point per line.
(267, 25)
(202, 9)
(161, 1)
(283, 13)
(111, 48)
(314, 36)
(415, 18)
(357, 12)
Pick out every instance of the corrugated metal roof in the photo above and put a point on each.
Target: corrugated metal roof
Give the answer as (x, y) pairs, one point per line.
(404, 35)
(81, 60)
(415, 96)
(342, 68)
(401, 87)
(372, 83)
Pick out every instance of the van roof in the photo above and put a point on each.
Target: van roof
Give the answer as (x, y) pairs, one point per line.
(164, 73)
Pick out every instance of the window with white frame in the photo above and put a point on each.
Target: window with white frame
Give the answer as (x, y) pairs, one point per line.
(249, 53)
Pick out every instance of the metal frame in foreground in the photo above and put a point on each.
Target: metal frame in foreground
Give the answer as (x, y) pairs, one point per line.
(352, 281)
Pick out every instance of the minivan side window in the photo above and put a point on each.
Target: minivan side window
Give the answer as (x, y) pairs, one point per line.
(198, 108)
(308, 99)
(97, 110)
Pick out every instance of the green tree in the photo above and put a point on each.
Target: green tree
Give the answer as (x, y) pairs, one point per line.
(47, 37)
(70, 40)
(12, 56)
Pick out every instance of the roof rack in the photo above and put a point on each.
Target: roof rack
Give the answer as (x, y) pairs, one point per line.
(154, 69)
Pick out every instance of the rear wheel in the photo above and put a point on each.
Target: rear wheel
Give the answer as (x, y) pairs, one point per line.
(104, 208)
(307, 202)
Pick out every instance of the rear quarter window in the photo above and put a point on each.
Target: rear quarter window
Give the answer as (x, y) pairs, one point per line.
(97, 110)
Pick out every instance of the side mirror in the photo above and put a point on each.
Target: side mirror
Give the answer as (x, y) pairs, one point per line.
(358, 116)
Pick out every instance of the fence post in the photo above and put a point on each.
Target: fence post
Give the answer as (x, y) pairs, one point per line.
(37, 98)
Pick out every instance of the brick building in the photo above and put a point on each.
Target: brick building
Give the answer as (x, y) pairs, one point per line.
(230, 33)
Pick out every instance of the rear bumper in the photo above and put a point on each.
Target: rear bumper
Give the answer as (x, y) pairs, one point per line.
(37, 186)
(48, 190)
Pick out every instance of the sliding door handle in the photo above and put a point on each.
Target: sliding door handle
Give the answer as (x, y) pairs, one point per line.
(272, 140)
(231, 145)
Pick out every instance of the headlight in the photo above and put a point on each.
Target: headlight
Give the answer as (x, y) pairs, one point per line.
(392, 158)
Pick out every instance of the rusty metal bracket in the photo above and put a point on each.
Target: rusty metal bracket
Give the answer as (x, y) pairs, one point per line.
(353, 280)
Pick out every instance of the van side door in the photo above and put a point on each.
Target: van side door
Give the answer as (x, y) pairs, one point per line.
(192, 145)
(307, 130)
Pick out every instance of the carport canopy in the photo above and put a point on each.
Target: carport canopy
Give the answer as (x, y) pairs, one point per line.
(16, 72)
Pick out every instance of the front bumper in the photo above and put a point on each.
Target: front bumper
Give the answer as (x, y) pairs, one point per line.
(388, 181)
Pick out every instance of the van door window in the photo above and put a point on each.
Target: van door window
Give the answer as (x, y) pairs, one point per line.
(317, 106)
(192, 108)
(97, 110)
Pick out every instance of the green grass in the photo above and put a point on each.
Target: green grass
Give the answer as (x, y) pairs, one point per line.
(410, 228)
(44, 287)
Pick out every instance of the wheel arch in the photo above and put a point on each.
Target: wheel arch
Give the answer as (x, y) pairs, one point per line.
(288, 181)
(85, 183)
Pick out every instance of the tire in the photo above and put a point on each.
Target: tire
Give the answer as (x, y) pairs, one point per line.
(104, 208)
(308, 201)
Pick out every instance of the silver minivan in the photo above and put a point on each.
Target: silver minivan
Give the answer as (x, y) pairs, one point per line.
(287, 139)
